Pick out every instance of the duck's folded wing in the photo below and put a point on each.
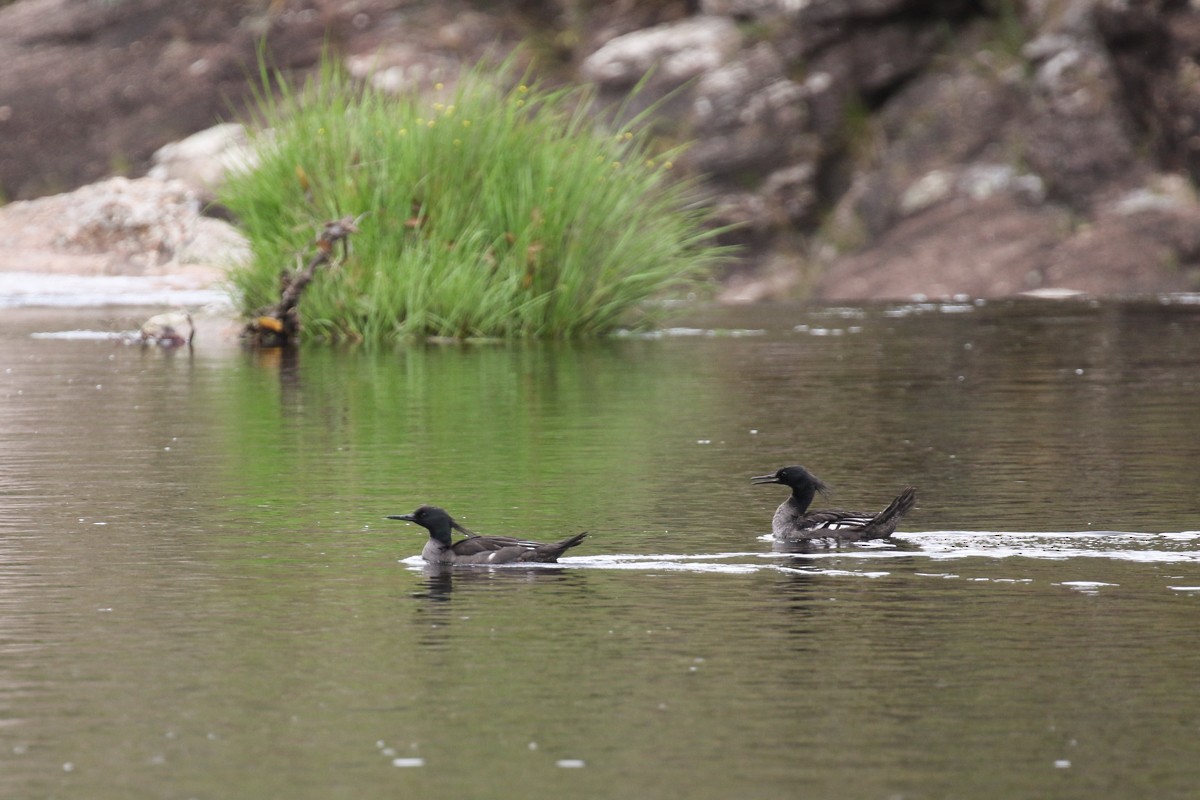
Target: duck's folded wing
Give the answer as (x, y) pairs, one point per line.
(477, 545)
(832, 519)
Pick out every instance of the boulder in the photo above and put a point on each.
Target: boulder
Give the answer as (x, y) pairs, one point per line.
(989, 248)
(92, 89)
(1078, 138)
(203, 159)
(677, 52)
(120, 227)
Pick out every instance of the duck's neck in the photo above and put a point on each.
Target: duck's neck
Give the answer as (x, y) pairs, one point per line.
(442, 534)
(787, 516)
(802, 497)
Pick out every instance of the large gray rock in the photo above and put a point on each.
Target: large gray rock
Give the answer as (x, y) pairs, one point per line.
(738, 111)
(677, 51)
(1004, 171)
(203, 159)
(120, 227)
(1078, 139)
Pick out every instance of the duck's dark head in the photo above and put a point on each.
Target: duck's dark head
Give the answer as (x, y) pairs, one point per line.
(435, 520)
(796, 477)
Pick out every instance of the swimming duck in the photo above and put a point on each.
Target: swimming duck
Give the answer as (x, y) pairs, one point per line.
(794, 522)
(476, 549)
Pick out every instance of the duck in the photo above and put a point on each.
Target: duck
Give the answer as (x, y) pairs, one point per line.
(793, 522)
(476, 549)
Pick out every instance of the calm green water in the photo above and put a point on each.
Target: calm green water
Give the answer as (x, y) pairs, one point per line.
(200, 598)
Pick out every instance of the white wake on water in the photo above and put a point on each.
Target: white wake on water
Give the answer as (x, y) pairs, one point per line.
(935, 546)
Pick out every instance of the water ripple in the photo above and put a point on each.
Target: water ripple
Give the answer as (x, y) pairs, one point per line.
(1156, 548)
(1165, 548)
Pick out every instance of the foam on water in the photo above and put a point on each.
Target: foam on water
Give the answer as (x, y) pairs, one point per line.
(935, 546)
(946, 545)
(1087, 587)
(713, 563)
(1163, 548)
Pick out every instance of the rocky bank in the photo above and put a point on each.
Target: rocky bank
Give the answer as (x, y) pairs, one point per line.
(864, 148)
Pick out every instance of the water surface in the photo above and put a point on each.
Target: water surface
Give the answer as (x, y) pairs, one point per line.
(199, 596)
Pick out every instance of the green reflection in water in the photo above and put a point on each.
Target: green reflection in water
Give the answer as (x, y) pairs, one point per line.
(554, 430)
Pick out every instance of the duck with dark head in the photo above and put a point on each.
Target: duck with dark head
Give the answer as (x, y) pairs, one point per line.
(793, 522)
(476, 549)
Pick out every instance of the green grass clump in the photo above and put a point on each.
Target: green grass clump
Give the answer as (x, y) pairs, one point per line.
(488, 212)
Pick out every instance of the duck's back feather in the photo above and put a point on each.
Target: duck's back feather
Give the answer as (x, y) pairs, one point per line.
(849, 526)
(506, 549)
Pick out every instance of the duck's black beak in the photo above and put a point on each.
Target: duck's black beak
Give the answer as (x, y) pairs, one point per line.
(405, 517)
(765, 479)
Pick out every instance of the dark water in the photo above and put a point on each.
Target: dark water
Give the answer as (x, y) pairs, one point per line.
(200, 598)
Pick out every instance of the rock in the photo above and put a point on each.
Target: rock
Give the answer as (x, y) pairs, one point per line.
(203, 159)
(720, 96)
(169, 329)
(757, 10)
(1145, 253)
(792, 191)
(402, 67)
(1154, 48)
(969, 111)
(981, 181)
(935, 186)
(977, 181)
(988, 248)
(121, 227)
(1004, 244)
(1078, 142)
(678, 51)
(1165, 193)
(861, 214)
(873, 61)
(784, 274)
(943, 135)
(735, 109)
(89, 89)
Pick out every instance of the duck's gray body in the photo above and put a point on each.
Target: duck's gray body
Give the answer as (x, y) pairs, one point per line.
(476, 549)
(793, 522)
